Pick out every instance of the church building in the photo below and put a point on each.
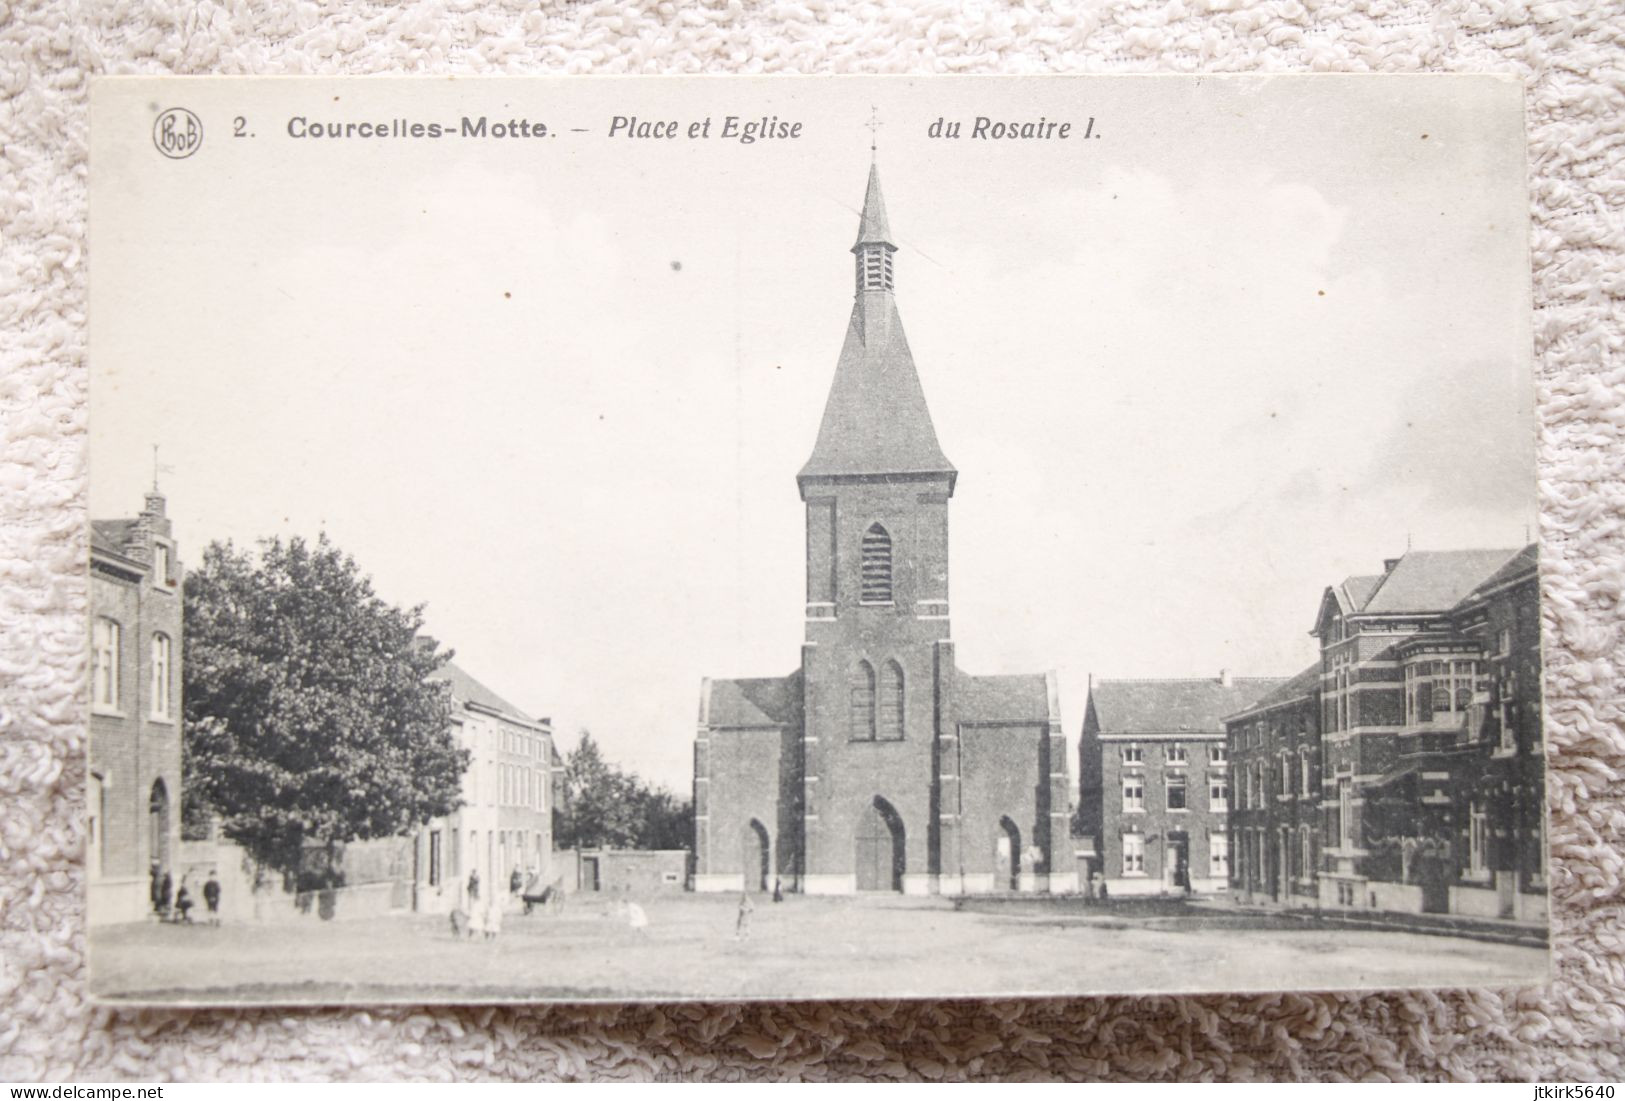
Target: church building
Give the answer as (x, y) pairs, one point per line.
(879, 765)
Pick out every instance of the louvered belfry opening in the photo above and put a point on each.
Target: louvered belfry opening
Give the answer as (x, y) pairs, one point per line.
(876, 566)
(874, 268)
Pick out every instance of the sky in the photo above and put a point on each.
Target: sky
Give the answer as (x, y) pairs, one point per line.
(1249, 337)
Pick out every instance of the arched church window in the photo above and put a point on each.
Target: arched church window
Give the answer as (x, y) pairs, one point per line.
(862, 718)
(876, 566)
(891, 702)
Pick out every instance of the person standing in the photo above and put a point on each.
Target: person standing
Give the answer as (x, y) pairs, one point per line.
(778, 890)
(166, 891)
(211, 898)
(746, 908)
(515, 881)
(473, 888)
(183, 904)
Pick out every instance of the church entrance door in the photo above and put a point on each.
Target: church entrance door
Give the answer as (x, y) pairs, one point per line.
(878, 849)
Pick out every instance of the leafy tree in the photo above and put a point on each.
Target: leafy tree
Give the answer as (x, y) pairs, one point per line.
(607, 808)
(310, 717)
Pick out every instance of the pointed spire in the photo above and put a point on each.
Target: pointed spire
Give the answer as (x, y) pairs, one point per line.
(873, 229)
(875, 420)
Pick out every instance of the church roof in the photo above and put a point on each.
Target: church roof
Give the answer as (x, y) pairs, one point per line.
(753, 702)
(1003, 698)
(876, 421)
(465, 689)
(1193, 706)
(1433, 581)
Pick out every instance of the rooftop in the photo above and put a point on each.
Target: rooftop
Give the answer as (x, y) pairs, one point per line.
(1175, 706)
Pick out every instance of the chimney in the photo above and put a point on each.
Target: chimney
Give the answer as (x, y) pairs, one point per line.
(1224, 678)
(1388, 564)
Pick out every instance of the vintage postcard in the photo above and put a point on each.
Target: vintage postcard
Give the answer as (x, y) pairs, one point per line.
(522, 516)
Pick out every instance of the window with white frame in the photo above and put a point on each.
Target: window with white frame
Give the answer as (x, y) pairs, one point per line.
(1218, 855)
(1133, 754)
(1133, 854)
(1478, 842)
(1303, 771)
(1133, 794)
(1176, 753)
(1176, 791)
(1218, 753)
(160, 565)
(1308, 859)
(161, 676)
(1218, 794)
(104, 664)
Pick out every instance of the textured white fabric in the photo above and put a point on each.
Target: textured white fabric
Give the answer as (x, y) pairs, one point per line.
(1569, 56)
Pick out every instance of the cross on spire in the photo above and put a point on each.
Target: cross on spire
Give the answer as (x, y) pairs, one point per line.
(873, 126)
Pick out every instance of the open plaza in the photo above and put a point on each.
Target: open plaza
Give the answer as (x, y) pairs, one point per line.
(810, 947)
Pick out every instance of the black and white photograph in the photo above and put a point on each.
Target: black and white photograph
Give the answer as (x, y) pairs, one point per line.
(663, 539)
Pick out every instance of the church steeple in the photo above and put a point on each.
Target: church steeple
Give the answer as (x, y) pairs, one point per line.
(875, 421)
(874, 247)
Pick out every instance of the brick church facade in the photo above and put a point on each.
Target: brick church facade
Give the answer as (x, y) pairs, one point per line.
(879, 765)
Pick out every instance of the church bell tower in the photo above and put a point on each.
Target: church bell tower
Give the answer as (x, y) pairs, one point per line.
(878, 658)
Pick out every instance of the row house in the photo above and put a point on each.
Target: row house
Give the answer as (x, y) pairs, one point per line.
(134, 784)
(1157, 782)
(1418, 744)
(505, 823)
(1275, 768)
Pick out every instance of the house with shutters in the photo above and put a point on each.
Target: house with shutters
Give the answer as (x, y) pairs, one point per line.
(878, 764)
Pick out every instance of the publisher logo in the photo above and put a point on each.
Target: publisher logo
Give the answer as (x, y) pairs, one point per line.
(178, 133)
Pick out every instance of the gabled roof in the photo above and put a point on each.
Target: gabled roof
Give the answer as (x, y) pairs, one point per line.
(1008, 698)
(1297, 688)
(1433, 581)
(753, 702)
(1526, 561)
(110, 535)
(876, 421)
(465, 690)
(1197, 706)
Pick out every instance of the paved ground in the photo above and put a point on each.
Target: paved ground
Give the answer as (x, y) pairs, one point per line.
(803, 948)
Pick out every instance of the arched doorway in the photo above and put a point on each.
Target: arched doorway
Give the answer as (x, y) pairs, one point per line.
(1007, 857)
(878, 848)
(756, 856)
(158, 826)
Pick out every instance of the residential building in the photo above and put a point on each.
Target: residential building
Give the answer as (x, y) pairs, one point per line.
(1156, 780)
(1434, 782)
(505, 824)
(133, 793)
(879, 765)
(1275, 792)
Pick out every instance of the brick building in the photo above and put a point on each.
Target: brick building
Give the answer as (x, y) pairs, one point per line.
(1434, 781)
(133, 791)
(1156, 782)
(506, 821)
(879, 765)
(1275, 791)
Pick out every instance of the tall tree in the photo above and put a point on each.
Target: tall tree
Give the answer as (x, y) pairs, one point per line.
(607, 808)
(309, 713)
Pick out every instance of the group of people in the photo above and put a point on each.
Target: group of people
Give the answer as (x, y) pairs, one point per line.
(176, 906)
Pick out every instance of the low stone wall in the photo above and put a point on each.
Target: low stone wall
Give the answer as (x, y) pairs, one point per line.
(1401, 897)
